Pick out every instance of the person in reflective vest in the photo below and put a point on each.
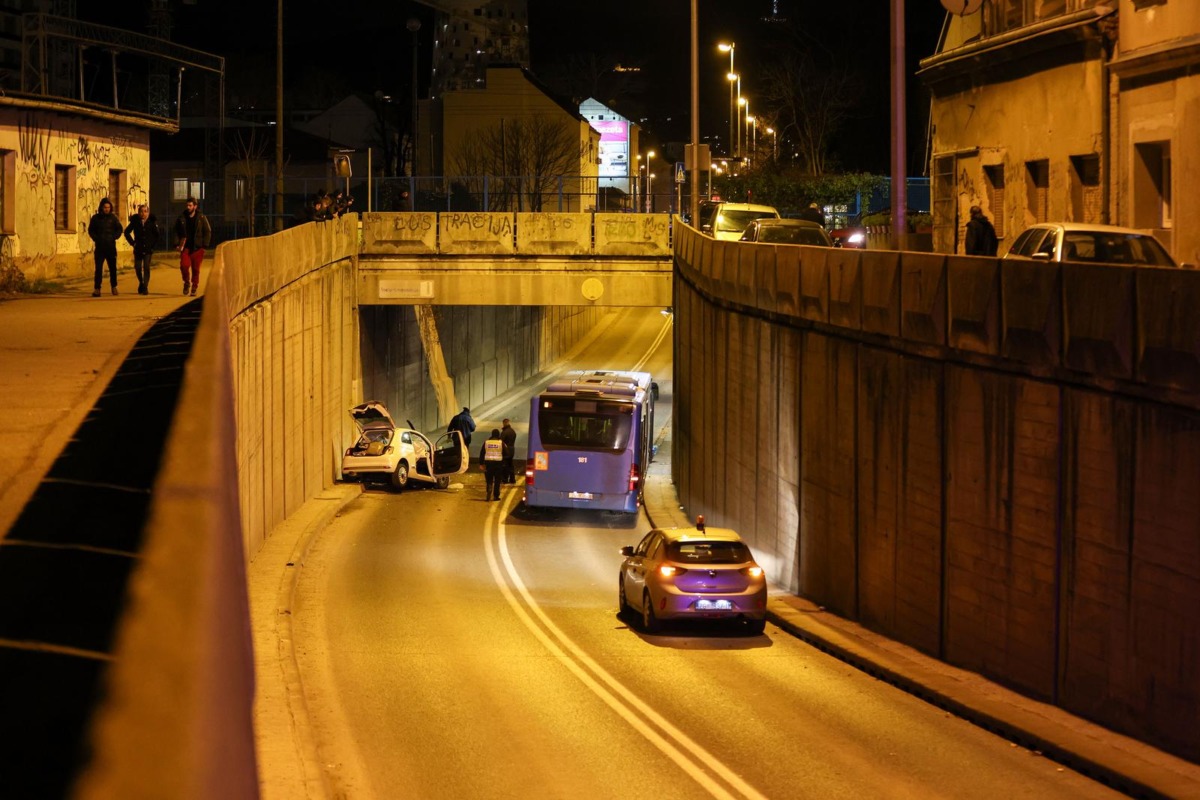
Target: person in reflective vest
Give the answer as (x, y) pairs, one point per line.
(492, 456)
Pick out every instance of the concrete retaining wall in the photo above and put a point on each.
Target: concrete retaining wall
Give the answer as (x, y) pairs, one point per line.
(995, 463)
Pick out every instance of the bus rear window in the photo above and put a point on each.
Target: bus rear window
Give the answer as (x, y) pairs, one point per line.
(585, 424)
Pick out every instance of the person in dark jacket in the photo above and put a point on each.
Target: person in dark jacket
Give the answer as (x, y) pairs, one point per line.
(143, 235)
(509, 437)
(813, 214)
(193, 235)
(981, 236)
(105, 229)
(464, 424)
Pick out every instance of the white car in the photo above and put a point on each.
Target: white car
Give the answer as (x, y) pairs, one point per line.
(1080, 242)
(727, 221)
(401, 455)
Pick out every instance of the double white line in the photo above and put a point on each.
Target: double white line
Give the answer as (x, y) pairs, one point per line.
(700, 765)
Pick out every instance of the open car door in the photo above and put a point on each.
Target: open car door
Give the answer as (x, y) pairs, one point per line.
(450, 455)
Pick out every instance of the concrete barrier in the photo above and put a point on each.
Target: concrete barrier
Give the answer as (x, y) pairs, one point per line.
(400, 233)
(974, 304)
(1098, 308)
(968, 487)
(633, 234)
(554, 234)
(476, 233)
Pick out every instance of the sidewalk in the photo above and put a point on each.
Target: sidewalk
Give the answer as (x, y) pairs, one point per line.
(59, 352)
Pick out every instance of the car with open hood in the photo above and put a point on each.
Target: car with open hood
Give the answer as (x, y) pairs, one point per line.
(401, 456)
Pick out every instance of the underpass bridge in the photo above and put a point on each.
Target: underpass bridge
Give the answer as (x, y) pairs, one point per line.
(522, 258)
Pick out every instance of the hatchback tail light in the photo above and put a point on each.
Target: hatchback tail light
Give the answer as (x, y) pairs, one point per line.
(754, 571)
(634, 477)
(669, 571)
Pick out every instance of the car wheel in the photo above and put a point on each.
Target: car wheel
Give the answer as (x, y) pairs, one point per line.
(443, 481)
(756, 627)
(650, 623)
(622, 603)
(400, 476)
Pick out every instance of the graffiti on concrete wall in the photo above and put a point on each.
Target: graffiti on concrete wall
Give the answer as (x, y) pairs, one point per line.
(35, 148)
(90, 155)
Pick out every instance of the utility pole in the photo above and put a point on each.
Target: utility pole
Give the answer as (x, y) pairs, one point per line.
(413, 26)
(899, 134)
(279, 117)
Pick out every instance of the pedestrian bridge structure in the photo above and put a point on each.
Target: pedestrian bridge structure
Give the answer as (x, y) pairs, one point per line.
(505, 258)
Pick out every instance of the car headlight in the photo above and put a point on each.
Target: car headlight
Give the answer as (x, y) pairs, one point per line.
(856, 238)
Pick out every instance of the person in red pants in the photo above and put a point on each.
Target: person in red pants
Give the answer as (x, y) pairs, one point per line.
(193, 235)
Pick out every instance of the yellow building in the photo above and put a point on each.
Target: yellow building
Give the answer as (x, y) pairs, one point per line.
(514, 141)
(1077, 110)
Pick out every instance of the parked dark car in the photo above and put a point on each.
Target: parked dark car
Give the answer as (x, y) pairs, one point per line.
(786, 231)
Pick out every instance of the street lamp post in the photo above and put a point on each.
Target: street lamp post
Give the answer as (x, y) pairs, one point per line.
(413, 26)
(649, 178)
(774, 144)
(742, 102)
(729, 48)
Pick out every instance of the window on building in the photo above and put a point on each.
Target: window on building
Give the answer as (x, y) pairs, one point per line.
(64, 198)
(183, 188)
(1152, 185)
(1086, 198)
(239, 188)
(994, 176)
(117, 188)
(8, 188)
(1037, 189)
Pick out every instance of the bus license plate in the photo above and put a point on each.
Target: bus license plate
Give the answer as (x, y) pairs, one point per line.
(714, 605)
(580, 495)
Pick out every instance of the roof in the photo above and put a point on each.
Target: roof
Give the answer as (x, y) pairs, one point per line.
(1089, 228)
(692, 534)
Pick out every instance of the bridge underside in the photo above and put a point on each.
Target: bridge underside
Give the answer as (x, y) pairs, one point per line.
(491, 280)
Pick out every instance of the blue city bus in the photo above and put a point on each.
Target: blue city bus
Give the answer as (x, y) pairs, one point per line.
(590, 441)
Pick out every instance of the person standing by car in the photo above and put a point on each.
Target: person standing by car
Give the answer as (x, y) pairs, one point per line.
(509, 436)
(105, 229)
(492, 456)
(981, 236)
(813, 214)
(142, 235)
(193, 235)
(464, 424)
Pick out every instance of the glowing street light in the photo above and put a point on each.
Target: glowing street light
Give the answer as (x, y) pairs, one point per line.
(649, 178)
(729, 48)
(774, 143)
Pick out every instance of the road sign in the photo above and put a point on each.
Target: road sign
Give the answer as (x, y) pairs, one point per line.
(680, 177)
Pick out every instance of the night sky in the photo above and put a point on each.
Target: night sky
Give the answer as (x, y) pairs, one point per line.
(363, 46)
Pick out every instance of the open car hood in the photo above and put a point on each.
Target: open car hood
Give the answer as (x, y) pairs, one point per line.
(372, 415)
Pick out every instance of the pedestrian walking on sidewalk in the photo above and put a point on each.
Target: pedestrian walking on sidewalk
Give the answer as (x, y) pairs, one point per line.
(143, 235)
(193, 235)
(105, 229)
(491, 457)
(981, 236)
(509, 437)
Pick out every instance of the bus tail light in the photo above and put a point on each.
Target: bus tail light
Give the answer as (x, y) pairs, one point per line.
(634, 477)
(529, 476)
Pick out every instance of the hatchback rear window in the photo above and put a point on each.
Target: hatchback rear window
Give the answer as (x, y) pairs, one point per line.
(708, 552)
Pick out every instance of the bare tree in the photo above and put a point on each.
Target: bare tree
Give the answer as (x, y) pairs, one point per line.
(249, 159)
(811, 101)
(523, 160)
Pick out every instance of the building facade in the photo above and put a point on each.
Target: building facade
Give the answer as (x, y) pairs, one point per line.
(1077, 110)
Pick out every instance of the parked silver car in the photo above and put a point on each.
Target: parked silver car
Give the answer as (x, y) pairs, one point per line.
(1079, 242)
(692, 573)
(401, 455)
(786, 231)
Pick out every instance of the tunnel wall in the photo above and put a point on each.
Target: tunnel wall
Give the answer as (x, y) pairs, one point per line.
(488, 350)
(998, 467)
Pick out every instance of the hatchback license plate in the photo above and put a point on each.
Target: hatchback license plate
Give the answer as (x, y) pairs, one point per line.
(579, 495)
(714, 605)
